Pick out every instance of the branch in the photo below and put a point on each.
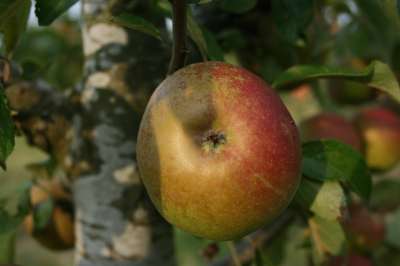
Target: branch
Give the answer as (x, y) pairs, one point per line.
(246, 248)
(179, 49)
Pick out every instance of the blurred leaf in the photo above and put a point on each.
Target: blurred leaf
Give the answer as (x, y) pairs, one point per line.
(377, 75)
(259, 259)
(42, 214)
(398, 6)
(47, 11)
(44, 169)
(7, 248)
(237, 6)
(200, 2)
(307, 192)
(7, 138)
(196, 33)
(137, 23)
(393, 228)
(214, 51)
(292, 17)
(50, 55)
(327, 236)
(329, 201)
(14, 17)
(333, 160)
(323, 199)
(189, 247)
(386, 194)
(11, 217)
(296, 252)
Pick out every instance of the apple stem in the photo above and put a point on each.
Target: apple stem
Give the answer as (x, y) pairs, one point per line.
(179, 49)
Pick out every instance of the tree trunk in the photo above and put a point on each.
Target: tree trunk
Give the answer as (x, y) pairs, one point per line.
(116, 224)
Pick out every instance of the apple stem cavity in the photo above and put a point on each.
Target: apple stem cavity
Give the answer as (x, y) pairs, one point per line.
(212, 141)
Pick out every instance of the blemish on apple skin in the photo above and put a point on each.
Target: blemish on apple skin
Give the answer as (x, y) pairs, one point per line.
(268, 185)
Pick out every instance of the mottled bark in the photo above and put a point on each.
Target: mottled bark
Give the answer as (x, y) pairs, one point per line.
(115, 222)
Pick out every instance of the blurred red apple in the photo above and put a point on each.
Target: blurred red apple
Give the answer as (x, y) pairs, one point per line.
(351, 260)
(365, 229)
(380, 129)
(331, 126)
(218, 152)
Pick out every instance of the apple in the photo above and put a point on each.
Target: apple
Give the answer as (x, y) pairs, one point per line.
(331, 126)
(218, 152)
(365, 229)
(380, 129)
(350, 260)
(58, 234)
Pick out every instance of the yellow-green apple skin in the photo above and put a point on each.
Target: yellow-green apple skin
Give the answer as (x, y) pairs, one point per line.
(380, 129)
(218, 152)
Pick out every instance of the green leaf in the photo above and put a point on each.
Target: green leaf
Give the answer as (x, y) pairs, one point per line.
(323, 199)
(47, 11)
(327, 236)
(196, 34)
(335, 161)
(292, 17)
(329, 201)
(7, 130)
(377, 75)
(137, 23)
(14, 17)
(12, 216)
(393, 229)
(307, 192)
(237, 6)
(42, 214)
(214, 51)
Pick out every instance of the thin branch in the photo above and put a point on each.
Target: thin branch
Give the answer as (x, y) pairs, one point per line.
(179, 49)
(246, 249)
(234, 254)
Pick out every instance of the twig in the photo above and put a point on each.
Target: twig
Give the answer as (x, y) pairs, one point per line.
(234, 254)
(179, 49)
(246, 249)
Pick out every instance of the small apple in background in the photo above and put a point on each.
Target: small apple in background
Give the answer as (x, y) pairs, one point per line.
(350, 260)
(365, 229)
(380, 130)
(59, 233)
(331, 126)
(218, 152)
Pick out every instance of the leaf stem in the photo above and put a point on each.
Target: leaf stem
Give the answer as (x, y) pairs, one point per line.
(179, 49)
